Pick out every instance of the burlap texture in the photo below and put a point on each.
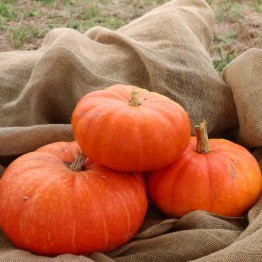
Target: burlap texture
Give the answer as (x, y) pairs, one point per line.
(166, 51)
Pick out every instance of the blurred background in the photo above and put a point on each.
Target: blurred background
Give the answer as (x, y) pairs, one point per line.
(24, 23)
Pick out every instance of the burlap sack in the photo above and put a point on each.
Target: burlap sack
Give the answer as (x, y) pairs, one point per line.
(166, 51)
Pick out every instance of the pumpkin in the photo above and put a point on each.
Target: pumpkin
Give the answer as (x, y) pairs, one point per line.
(128, 128)
(52, 202)
(214, 175)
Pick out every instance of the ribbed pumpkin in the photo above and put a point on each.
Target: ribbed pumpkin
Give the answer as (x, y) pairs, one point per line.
(52, 202)
(214, 175)
(129, 128)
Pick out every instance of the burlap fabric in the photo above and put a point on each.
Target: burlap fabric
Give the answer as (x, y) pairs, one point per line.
(166, 51)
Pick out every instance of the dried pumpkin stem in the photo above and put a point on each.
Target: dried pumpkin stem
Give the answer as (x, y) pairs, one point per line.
(78, 163)
(134, 98)
(202, 138)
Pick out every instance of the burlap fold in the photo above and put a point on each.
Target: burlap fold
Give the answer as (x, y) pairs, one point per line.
(166, 51)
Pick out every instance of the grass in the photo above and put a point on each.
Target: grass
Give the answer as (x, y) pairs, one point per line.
(24, 23)
(256, 5)
(7, 12)
(222, 61)
(230, 11)
(237, 29)
(22, 34)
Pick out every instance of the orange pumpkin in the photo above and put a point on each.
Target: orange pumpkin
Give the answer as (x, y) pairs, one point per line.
(214, 175)
(130, 129)
(50, 207)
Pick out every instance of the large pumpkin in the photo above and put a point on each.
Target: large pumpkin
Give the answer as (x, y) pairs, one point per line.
(130, 129)
(50, 206)
(214, 175)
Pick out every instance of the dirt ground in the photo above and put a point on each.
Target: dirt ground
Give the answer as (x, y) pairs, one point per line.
(238, 30)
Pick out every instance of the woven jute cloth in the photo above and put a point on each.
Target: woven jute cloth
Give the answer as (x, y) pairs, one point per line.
(167, 51)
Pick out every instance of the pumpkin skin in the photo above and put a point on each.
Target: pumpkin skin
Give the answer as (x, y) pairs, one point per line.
(141, 137)
(49, 209)
(225, 181)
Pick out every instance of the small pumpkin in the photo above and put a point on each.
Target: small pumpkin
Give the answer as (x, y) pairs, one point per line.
(214, 175)
(129, 128)
(53, 202)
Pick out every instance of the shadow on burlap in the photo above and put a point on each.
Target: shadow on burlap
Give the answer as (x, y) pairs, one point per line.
(166, 51)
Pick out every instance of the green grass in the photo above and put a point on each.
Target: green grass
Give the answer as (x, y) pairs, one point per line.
(256, 5)
(22, 34)
(230, 11)
(90, 13)
(17, 17)
(7, 11)
(224, 41)
(222, 61)
(209, 1)
(32, 13)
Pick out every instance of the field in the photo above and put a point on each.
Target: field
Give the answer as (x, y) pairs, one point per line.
(24, 23)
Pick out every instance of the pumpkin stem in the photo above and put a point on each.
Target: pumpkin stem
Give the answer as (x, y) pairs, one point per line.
(202, 138)
(134, 98)
(78, 163)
